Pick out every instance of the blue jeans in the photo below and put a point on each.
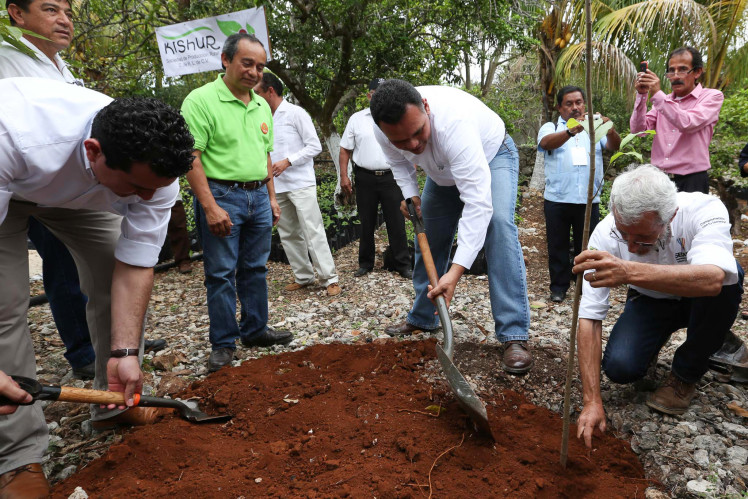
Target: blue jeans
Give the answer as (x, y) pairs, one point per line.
(66, 301)
(235, 265)
(441, 208)
(646, 323)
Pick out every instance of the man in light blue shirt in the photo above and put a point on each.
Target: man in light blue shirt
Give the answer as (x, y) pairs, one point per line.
(566, 178)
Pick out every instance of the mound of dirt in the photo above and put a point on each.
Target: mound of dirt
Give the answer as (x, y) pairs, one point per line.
(354, 420)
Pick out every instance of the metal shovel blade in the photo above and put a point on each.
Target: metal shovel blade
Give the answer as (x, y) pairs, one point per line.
(467, 398)
(191, 414)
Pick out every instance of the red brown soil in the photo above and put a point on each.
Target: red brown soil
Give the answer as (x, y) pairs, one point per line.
(352, 420)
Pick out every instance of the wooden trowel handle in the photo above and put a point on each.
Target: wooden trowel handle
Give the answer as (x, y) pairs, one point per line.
(83, 395)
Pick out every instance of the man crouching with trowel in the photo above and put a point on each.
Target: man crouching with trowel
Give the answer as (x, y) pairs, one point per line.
(674, 251)
(72, 157)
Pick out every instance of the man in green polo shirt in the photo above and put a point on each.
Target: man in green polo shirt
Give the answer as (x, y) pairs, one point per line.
(235, 206)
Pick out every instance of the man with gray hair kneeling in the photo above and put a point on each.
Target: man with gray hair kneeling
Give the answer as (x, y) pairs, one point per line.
(674, 251)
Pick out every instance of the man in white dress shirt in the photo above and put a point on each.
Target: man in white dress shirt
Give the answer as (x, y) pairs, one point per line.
(375, 185)
(674, 251)
(472, 167)
(301, 229)
(68, 154)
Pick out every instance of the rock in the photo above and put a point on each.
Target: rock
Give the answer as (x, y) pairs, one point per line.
(653, 493)
(737, 429)
(690, 474)
(67, 472)
(78, 493)
(171, 384)
(701, 457)
(167, 361)
(648, 440)
(700, 486)
(711, 443)
(737, 456)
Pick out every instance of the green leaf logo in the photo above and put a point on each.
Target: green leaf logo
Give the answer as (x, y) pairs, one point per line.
(228, 28)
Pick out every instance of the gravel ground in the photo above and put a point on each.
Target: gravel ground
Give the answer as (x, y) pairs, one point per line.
(703, 452)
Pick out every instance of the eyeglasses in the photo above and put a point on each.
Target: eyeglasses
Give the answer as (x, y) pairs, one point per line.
(616, 236)
(678, 74)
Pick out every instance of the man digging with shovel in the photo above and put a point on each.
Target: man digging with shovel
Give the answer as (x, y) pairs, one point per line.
(69, 155)
(472, 167)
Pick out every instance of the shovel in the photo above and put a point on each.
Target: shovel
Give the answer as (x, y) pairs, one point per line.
(84, 396)
(466, 397)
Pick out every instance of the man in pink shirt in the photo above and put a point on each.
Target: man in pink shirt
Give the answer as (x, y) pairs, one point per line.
(684, 120)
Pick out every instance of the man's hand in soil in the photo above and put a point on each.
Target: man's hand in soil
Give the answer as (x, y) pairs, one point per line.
(608, 271)
(11, 390)
(593, 415)
(124, 375)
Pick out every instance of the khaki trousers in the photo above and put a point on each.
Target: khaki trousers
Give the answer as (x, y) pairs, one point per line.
(91, 237)
(302, 234)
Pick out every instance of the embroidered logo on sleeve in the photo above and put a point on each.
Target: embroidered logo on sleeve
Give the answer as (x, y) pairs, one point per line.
(711, 221)
(264, 128)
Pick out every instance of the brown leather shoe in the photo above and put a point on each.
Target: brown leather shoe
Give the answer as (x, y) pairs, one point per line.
(517, 357)
(404, 329)
(333, 289)
(294, 286)
(26, 482)
(135, 416)
(185, 267)
(673, 397)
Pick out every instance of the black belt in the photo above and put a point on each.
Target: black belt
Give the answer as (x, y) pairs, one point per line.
(675, 176)
(247, 186)
(373, 172)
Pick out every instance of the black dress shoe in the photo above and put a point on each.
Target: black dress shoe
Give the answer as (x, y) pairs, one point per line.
(154, 345)
(406, 273)
(269, 338)
(86, 372)
(558, 296)
(361, 271)
(220, 358)
(404, 329)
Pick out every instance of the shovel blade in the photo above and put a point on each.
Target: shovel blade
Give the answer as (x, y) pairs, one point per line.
(467, 398)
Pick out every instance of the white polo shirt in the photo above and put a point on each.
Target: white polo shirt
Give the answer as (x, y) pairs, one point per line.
(359, 137)
(296, 139)
(14, 63)
(700, 235)
(465, 136)
(43, 125)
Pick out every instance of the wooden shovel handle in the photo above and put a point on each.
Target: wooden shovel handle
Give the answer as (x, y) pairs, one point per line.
(428, 260)
(70, 394)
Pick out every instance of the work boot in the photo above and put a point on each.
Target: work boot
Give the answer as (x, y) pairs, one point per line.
(26, 482)
(404, 329)
(673, 397)
(517, 358)
(220, 358)
(154, 345)
(269, 338)
(406, 273)
(295, 286)
(184, 267)
(134, 416)
(86, 372)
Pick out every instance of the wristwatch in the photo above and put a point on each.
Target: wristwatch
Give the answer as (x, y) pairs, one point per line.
(569, 132)
(125, 352)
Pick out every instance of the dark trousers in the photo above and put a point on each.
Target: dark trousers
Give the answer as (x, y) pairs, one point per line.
(372, 190)
(646, 323)
(66, 301)
(179, 238)
(693, 182)
(559, 219)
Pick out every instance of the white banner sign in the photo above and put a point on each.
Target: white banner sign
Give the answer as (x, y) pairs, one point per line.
(195, 46)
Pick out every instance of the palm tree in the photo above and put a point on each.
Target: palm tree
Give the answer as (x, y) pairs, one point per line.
(649, 30)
